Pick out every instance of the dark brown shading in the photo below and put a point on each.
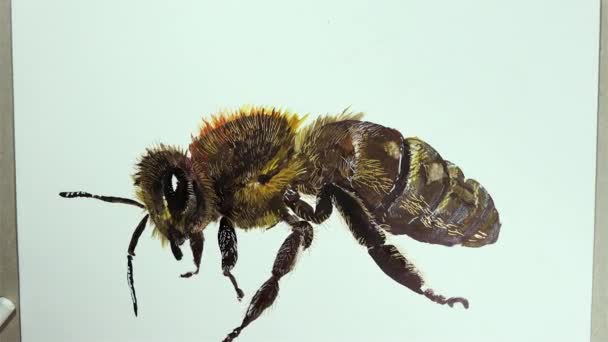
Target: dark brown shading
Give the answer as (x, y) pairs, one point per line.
(369, 234)
(407, 186)
(177, 252)
(320, 213)
(300, 237)
(226, 238)
(400, 180)
(197, 241)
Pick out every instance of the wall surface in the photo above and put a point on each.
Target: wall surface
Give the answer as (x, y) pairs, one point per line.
(506, 90)
(599, 327)
(9, 272)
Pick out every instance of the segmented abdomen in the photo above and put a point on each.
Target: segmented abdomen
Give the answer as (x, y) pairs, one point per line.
(404, 183)
(438, 205)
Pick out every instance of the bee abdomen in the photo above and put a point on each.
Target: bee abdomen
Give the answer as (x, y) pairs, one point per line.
(469, 207)
(440, 206)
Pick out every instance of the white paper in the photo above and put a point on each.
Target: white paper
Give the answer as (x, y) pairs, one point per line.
(506, 90)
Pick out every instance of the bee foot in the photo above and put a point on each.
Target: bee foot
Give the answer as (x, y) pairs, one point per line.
(232, 335)
(239, 294)
(188, 274)
(439, 299)
(463, 301)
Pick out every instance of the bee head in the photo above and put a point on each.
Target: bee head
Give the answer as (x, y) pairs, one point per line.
(177, 201)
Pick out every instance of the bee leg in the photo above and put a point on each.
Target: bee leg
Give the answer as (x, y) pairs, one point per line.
(320, 213)
(177, 252)
(197, 241)
(369, 234)
(176, 239)
(226, 238)
(284, 262)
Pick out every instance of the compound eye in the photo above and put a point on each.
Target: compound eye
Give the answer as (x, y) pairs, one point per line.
(175, 190)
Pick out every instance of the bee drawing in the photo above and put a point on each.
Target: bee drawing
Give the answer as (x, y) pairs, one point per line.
(248, 168)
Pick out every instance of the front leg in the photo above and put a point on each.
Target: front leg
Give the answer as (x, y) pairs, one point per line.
(197, 241)
(300, 238)
(177, 252)
(176, 239)
(226, 238)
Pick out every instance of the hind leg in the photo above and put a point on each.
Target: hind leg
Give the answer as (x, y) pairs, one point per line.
(369, 234)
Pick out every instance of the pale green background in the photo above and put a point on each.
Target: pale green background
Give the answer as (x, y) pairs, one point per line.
(507, 90)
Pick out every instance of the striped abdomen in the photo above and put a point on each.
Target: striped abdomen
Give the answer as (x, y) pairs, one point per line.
(404, 183)
(438, 205)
